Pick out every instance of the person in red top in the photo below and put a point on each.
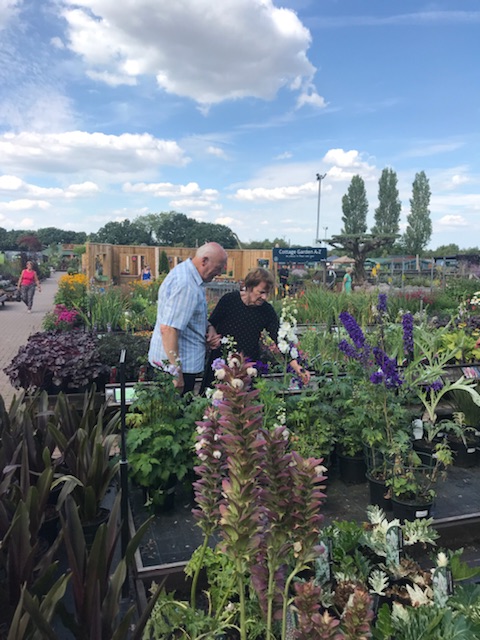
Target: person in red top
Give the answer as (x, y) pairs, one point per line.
(27, 283)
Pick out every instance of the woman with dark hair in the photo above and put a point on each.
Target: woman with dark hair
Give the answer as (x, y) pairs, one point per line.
(243, 315)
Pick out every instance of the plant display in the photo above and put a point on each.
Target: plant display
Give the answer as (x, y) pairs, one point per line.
(85, 444)
(105, 310)
(261, 498)
(61, 319)
(136, 352)
(159, 440)
(72, 291)
(373, 412)
(56, 361)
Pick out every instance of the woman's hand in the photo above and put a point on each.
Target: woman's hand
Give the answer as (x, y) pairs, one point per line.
(213, 338)
(302, 373)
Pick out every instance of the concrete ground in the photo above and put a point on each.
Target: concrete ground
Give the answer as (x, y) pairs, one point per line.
(16, 325)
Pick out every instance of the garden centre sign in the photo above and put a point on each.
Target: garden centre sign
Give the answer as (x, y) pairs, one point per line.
(300, 254)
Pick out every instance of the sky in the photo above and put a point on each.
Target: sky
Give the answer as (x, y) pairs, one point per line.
(228, 110)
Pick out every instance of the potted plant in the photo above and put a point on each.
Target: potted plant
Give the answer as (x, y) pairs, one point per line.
(136, 352)
(57, 361)
(86, 443)
(413, 481)
(159, 440)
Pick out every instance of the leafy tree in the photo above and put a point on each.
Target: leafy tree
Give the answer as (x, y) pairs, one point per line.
(29, 242)
(355, 207)
(51, 235)
(124, 232)
(419, 229)
(387, 214)
(443, 250)
(266, 244)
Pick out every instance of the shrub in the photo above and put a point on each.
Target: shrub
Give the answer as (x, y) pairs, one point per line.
(57, 361)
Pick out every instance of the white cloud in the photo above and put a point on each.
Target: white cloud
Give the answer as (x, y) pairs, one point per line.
(24, 204)
(452, 222)
(276, 193)
(8, 10)
(311, 98)
(342, 158)
(283, 156)
(206, 51)
(226, 220)
(12, 183)
(170, 190)
(216, 151)
(73, 151)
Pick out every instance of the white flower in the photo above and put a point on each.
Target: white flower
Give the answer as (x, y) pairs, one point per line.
(283, 346)
(220, 374)
(217, 394)
(202, 456)
(252, 372)
(201, 429)
(297, 547)
(442, 559)
(294, 353)
(200, 444)
(233, 362)
(217, 454)
(286, 434)
(320, 470)
(237, 383)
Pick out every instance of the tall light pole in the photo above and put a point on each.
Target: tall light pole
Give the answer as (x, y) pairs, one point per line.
(320, 177)
(325, 229)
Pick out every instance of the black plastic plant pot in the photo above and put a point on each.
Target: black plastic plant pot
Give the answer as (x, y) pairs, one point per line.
(465, 456)
(409, 510)
(352, 469)
(379, 493)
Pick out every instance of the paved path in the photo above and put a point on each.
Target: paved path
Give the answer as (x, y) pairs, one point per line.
(16, 325)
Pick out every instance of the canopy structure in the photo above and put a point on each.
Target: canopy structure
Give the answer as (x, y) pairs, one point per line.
(343, 260)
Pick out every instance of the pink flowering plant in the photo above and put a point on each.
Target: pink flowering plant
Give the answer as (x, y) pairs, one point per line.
(260, 498)
(61, 318)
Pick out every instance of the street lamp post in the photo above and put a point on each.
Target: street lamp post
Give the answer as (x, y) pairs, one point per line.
(320, 177)
(325, 229)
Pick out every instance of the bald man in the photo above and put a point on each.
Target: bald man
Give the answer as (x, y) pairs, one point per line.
(181, 330)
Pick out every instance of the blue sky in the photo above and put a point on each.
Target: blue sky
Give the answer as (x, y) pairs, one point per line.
(226, 111)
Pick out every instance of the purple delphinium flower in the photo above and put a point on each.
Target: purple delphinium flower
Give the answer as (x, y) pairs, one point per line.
(389, 369)
(349, 350)
(354, 331)
(407, 322)
(382, 303)
(377, 377)
(261, 367)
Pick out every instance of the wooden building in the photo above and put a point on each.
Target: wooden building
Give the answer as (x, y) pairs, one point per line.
(122, 264)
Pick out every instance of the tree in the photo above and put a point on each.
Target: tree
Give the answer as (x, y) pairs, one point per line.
(355, 208)
(164, 266)
(359, 246)
(29, 242)
(52, 235)
(124, 232)
(387, 214)
(419, 229)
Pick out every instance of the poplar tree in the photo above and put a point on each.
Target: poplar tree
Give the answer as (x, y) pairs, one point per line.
(387, 214)
(355, 207)
(419, 229)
